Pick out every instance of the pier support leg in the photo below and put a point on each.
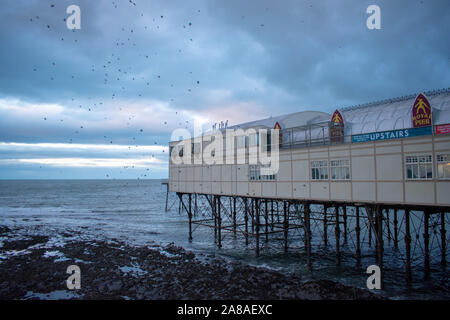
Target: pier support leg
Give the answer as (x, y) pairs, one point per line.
(190, 217)
(388, 227)
(376, 222)
(358, 239)
(344, 216)
(195, 205)
(408, 246)
(285, 225)
(443, 240)
(266, 220)
(271, 217)
(379, 239)
(253, 215)
(302, 216)
(278, 213)
(395, 229)
(369, 216)
(380, 244)
(214, 211)
(219, 223)
(337, 233)
(167, 197)
(308, 235)
(246, 220)
(325, 226)
(234, 215)
(426, 242)
(257, 226)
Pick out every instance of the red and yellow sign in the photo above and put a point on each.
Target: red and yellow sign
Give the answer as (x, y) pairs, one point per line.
(421, 112)
(337, 127)
(337, 118)
(278, 127)
(442, 129)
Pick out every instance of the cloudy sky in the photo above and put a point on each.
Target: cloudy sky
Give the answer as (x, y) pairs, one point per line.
(102, 101)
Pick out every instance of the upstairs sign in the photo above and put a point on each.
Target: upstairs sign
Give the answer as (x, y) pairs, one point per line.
(393, 134)
(421, 121)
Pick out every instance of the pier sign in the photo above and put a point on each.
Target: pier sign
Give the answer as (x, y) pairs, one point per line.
(393, 134)
(337, 118)
(421, 112)
(277, 126)
(337, 127)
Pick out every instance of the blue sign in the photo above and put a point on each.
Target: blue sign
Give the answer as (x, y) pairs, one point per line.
(394, 134)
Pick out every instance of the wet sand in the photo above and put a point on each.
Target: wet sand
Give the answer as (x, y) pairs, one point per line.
(33, 267)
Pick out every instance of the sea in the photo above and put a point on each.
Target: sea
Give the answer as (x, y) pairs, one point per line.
(133, 211)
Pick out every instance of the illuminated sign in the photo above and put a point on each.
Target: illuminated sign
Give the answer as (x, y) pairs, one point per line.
(337, 118)
(442, 128)
(337, 127)
(277, 126)
(421, 112)
(393, 134)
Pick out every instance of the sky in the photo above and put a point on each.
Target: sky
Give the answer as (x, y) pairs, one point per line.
(102, 102)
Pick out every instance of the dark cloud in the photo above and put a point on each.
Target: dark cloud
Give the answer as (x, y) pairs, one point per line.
(154, 65)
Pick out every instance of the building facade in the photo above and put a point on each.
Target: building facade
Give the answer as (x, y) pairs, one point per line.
(389, 152)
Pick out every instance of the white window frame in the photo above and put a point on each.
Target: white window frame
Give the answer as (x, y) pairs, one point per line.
(255, 174)
(242, 142)
(196, 147)
(253, 140)
(319, 166)
(251, 173)
(267, 177)
(442, 159)
(341, 169)
(418, 163)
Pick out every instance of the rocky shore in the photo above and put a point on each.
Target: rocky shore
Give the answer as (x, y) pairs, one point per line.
(34, 267)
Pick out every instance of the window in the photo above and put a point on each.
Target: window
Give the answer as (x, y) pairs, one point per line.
(419, 167)
(266, 140)
(267, 176)
(255, 174)
(254, 139)
(180, 151)
(443, 166)
(340, 169)
(319, 170)
(196, 147)
(242, 141)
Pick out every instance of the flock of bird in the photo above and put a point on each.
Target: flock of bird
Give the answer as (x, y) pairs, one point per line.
(116, 74)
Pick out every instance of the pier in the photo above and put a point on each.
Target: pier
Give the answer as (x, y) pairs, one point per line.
(363, 183)
(417, 233)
